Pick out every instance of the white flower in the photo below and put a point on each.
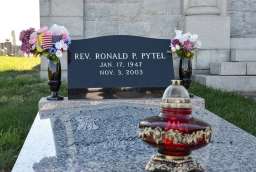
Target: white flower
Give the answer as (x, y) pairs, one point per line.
(62, 43)
(33, 46)
(198, 44)
(58, 45)
(32, 38)
(187, 36)
(177, 47)
(65, 47)
(63, 30)
(173, 49)
(58, 53)
(194, 38)
(178, 34)
(58, 30)
(182, 40)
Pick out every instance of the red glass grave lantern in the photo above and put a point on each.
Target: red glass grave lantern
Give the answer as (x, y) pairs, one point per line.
(175, 133)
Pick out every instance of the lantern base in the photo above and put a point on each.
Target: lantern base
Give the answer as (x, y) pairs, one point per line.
(162, 163)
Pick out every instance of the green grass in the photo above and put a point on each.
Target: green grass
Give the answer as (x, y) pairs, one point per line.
(234, 108)
(18, 63)
(21, 89)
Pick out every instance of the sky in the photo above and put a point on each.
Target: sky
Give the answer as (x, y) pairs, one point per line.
(17, 15)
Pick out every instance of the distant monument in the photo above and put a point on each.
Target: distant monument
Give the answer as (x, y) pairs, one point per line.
(13, 38)
(10, 47)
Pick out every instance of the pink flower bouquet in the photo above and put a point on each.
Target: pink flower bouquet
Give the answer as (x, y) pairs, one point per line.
(46, 42)
(185, 45)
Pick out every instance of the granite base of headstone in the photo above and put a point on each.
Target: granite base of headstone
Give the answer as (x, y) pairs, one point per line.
(116, 93)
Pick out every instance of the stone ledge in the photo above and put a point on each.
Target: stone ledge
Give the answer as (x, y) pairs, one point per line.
(243, 43)
(206, 56)
(251, 68)
(47, 106)
(238, 55)
(233, 69)
(228, 68)
(228, 83)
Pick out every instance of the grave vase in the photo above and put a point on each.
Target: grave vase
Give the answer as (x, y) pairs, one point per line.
(185, 71)
(54, 79)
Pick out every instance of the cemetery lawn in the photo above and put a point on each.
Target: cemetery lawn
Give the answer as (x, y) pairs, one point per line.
(18, 63)
(232, 107)
(21, 89)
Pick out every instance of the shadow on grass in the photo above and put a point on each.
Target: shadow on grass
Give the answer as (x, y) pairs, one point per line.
(34, 69)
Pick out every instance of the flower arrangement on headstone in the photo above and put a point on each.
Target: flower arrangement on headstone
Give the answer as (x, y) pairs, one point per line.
(185, 46)
(175, 133)
(49, 43)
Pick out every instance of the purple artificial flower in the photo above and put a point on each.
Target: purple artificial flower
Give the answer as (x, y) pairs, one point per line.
(175, 42)
(68, 41)
(22, 34)
(26, 47)
(188, 45)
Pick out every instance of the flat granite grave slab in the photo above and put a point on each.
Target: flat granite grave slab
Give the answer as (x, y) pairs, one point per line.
(101, 136)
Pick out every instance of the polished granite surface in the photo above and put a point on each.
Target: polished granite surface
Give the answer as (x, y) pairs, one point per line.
(101, 136)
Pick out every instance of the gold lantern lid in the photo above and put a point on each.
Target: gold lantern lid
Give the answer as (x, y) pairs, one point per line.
(176, 96)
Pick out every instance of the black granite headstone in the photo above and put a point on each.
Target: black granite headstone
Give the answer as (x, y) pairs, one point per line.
(118, 61)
